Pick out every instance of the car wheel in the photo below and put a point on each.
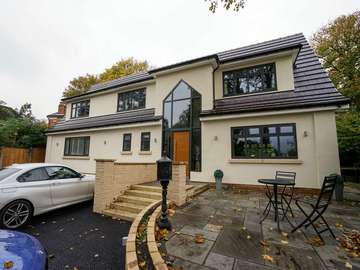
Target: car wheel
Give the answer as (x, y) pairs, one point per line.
(16, 214)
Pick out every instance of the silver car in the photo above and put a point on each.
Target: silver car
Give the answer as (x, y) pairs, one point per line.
(31, 189)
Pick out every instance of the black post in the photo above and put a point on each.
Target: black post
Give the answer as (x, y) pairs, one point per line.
(164, 222)
(164, 173)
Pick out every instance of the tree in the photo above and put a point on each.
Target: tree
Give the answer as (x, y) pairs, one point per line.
(25, 111)
(124, 67)
(80, 85)
(338, 46)
(227, 4)
(6, 112)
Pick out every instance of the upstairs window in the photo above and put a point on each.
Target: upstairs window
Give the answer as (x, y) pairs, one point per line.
(80, 109)
(77, 146)
(132, 100)
(145, 141)
(270, 141)
(127, 142)
(250, 80)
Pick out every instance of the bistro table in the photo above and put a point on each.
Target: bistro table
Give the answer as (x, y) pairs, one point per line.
(275, 183)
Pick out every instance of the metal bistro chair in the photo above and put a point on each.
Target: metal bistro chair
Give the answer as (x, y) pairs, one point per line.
(286, 194)
(319, 206)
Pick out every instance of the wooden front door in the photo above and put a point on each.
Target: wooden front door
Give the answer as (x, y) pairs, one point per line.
(181, 147)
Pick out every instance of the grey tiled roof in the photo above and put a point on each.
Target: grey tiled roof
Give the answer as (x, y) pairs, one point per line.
(312, 84)
(120, 118)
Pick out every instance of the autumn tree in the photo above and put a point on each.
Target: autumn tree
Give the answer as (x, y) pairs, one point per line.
(226, 4)
(338, 46)
(124, 67)
(80, 85)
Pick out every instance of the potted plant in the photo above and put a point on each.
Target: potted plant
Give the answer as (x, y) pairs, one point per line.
(339, 188)
(218, 174)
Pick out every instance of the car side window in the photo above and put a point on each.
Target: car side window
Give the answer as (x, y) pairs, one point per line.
(38, 174)
(61, 173)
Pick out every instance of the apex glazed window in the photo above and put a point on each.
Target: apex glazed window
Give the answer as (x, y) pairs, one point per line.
(268, 141)
(131, 100)
(80, 109)
(250, 80)
(77, 146)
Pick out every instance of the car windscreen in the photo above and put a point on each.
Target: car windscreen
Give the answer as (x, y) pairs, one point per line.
(6, 172)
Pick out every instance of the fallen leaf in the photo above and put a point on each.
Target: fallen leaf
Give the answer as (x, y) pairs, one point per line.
(264, 243)
(284, 242)
(8, 264)
(339, 225)
(284, 234)
(142, 264)
(243, 227)
(315, 241)
(75, 268)
(96, 255)
(199, 239)
(348, 265)
(268, 258)
(248, 236)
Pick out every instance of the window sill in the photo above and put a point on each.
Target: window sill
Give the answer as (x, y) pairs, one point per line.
(145, 153)
(77, 157)
(126, 152)
(266, 161)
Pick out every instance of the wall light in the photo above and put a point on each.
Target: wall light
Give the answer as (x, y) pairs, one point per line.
(306, 133)
(215, 138)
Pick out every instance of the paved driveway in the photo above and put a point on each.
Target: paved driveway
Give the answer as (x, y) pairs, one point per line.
(76, 237)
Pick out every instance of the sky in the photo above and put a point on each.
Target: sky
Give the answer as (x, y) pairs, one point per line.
(45, 44)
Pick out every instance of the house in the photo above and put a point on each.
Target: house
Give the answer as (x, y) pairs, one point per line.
(248, 111)
(56, 117)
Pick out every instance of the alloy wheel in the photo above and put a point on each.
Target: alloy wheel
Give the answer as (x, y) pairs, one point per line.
(16, 215)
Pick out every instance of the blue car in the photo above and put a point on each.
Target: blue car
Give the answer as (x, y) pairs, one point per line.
(20, 251)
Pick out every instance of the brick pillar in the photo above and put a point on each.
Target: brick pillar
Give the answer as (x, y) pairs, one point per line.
(103, 184)
(177, 186)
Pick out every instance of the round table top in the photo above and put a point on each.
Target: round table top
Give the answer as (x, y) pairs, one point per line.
(277, 182)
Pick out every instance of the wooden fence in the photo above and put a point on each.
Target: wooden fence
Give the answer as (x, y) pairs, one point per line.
(10, 155)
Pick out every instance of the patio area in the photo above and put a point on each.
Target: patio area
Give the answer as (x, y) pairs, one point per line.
(223, 232)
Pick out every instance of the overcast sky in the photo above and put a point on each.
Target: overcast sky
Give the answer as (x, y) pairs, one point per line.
(44, 44)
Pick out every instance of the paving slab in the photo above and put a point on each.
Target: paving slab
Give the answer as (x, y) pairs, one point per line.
(179, 220)
(244, 265)
(186, 265)
(184, 247)
(286, 257)
(242, 244)
(190, 230)
(219, 262)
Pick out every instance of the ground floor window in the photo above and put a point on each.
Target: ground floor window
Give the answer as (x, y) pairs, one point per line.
(145, 141)
(265, 141)
(126, 142)
(77, 146)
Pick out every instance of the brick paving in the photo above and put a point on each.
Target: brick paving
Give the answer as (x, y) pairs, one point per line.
(233, 235)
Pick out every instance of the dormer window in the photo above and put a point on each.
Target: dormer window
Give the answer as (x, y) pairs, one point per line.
(250, 80)
(132, 100)
(80, 109)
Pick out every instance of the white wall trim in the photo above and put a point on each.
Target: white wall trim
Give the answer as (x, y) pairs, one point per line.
(260, 114)
(157, 123)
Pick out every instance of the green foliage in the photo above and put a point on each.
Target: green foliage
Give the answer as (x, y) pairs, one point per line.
(338, 46)
(20, 128)
(218, 173)
(348, 129)
(124, 67)
(235, 5)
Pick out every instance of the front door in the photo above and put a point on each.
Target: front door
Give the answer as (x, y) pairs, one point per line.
(181, 148)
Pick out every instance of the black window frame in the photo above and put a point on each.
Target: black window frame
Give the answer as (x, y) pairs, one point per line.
(129, 93)
(278, 134)
(123, 146)
(76, 105)
(144, 142)
(247, 69)
(67, 151)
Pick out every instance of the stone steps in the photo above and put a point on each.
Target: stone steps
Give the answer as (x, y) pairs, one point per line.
(133, 201)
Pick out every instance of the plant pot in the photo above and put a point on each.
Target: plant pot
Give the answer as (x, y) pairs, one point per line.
(218, 181)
